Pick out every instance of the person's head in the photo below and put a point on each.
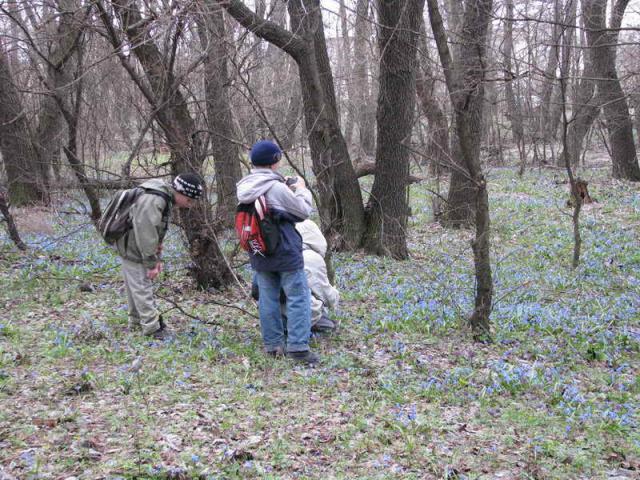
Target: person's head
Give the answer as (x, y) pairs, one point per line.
(188, 188)
(265, 154)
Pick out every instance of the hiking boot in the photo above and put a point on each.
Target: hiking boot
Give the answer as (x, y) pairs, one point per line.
(277, 353)
(323, 329)
(162, 334)
(306, 357)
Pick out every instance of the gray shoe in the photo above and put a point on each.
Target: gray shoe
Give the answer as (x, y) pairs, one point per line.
(306, 357)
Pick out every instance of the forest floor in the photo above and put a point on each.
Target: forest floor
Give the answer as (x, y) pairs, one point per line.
(402, 391)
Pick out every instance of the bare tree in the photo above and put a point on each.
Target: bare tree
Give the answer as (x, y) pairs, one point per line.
(341, 208)
(438, 150)
(465, 85)
(514, 108)
(225, 150)
(602, 51)
(161, 88)
(19, 154)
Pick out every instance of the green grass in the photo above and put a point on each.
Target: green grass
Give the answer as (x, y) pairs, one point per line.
(402, 392)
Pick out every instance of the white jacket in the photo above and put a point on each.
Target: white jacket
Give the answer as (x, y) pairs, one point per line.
(323, 294)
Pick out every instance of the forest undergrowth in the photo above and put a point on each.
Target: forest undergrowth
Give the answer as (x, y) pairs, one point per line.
(402, 391)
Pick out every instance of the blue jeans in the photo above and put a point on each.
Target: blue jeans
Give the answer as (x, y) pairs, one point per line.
(298, 296)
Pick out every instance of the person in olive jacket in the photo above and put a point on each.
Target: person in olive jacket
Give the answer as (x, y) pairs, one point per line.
(141, 247)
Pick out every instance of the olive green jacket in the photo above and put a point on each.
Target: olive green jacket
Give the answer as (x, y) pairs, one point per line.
(140, 244)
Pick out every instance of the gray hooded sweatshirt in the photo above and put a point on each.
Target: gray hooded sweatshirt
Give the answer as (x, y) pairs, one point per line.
(287, 208)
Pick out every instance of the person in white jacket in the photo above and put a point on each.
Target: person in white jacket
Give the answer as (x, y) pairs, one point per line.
(324, 296)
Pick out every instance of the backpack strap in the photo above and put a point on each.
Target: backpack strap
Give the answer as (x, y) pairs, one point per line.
(167, 198)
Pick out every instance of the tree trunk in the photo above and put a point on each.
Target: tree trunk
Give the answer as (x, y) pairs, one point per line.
(438, 150)
(362, 80)
(345, 69)
(19, 155)
(465, 84)
(226, 152)
(514, 109)
(602, 49)
(585, 111)
(567, 36)
(388, 209)
(11, 225)
(544, 117)
(210, 268)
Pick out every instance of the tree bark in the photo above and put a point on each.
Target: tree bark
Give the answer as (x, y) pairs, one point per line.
(388, 209)
(602, 50)
(19, 154)
(226, 152)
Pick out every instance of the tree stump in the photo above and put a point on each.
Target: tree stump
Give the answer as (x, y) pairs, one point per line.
(581, 188)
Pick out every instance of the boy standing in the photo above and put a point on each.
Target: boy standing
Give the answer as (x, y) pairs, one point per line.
(284, 269)
(141, 247)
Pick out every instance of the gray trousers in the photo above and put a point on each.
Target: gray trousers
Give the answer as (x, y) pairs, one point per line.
(142, 307)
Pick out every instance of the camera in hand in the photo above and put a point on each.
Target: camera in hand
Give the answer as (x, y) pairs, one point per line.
(291, 181)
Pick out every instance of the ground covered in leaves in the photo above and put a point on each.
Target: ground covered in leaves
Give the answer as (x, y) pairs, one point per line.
(402, 391)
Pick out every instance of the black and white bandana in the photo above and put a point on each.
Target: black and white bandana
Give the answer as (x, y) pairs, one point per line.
(188, 184)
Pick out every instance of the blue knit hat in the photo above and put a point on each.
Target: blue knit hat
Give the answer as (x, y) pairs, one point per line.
(265, 153)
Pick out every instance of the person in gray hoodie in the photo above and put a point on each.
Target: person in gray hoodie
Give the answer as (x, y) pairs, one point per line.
(141, 247)
(284, 269)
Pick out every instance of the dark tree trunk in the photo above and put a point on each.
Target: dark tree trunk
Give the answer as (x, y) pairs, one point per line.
(388, 209)
(465, 84)
(226, 152)
(602, 49)
(341, 208)
(11, 225)
(19, 155)
(210, 268)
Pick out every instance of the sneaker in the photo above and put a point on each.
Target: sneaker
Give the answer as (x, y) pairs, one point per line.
(306, 357)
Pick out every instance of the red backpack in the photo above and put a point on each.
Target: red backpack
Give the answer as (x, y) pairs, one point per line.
(258, 232)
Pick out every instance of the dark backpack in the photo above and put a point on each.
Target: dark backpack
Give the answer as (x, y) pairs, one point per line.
(257, 230)
(115, 221)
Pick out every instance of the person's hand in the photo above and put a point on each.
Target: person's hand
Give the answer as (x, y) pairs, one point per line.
(155, 271)
(300, 183)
